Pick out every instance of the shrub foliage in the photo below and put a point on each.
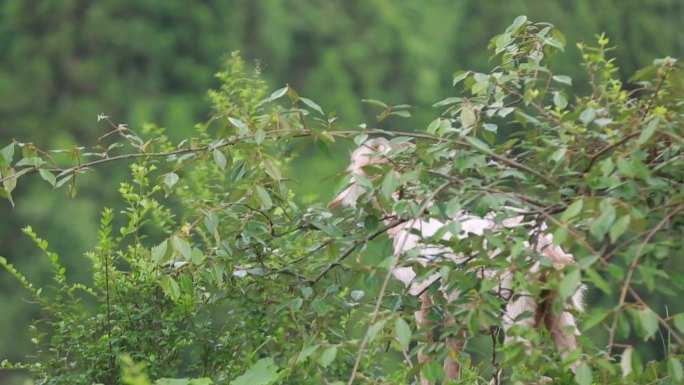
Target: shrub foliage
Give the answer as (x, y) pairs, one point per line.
(210, 271)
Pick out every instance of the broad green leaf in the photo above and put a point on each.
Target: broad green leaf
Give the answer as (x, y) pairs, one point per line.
(11, 180)
(459, 76)
(573, 210)
(674, 369)
(619, 227)
(159, 252)
(259, 136)
(327, 357)
(626, 361)
(679, 322)
(170, 287)
(563, 79)
(569, 283)
(263, 372)
(468, 116)
(478, 144)
(310, 103)
(48, 176)
(649, 323)
(30, 161)
(402, 330)
(648, 132)
(587, 116)
(375, 329)
(241, 126)
(184, 381)
(7, 155)
(601, 225)
(389, 184)
(266, 201)
(272, 169)
(220, 159)
(517, 23)
(182, 247)
(598, 281)
(560, 100)
(307, 352)
(171, 179)
(375, 103)
(583, 375)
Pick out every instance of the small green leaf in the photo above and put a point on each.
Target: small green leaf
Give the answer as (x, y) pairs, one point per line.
(674, 369)
(619, 227)
(171, 179)
(468, 116)
(403, 114)
(272, 169)
(478, 144)
(220, 159)
(310, 103)
(259, 136)
(573, 210)
(327, 357)
(7, 155)
(648, 132)
(626, 361)
(598, 281)
(277, 94)
(375, 103)
(517, 23)
(679, 322)
(569, 283)
(402, 330)
(263, 372)
(266, 201)
(306, 353)
(459, 76)
(375, 329)
(587, 116)
(159, 252)
(560, 100)
(182, 247)
(48, 176)
(389, 184)
(649, 322)
(241, 126)
(563, 79)
(583, 375)
(11, 180)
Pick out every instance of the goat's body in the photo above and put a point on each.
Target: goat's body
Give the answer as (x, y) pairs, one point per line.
(414, 235)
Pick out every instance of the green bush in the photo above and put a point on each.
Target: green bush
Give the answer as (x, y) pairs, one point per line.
(218, 275)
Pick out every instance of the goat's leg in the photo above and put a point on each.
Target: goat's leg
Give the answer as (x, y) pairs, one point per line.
(452, 368)
(424, 323)
(563, 330)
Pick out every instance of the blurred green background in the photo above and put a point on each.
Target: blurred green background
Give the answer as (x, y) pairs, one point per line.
(64, 61)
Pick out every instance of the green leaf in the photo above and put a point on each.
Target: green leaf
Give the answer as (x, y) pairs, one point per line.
(272, 169)
(402, 330)
(583, 375)
(375, 329)
(648, 132)
(327, 357)
(619, 227)
(170, 287)
(626, 361)
(266, 201)
(598, 281)
(241, 126)
(517, 23)
(601, 225)
(478, 144)
(7, 155)
(184, 381)
(403, 114)
(277, 94)
(563, 79)
(569, 283)
(573, 210)
(259, 136)
(220, 159)
(264, 372)
(459, 76)
(306, 353)
(587, 116)
(159, 252)
(31, 161)
(310, 103)
(389, 184)
(674, 369)
(375, 103)
(468, 116)
(679, 322)
(11, 180)
(48, 176)
(171, 179)
(182, 247)
(560, 100)
(649, 323)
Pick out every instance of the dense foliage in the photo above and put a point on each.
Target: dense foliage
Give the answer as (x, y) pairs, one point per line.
(217, 273)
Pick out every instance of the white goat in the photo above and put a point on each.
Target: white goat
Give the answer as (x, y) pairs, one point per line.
(410, 235)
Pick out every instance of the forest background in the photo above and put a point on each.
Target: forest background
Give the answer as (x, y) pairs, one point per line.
(63, 62)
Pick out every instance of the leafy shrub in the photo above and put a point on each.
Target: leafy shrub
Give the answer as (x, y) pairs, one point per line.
(217, 273)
